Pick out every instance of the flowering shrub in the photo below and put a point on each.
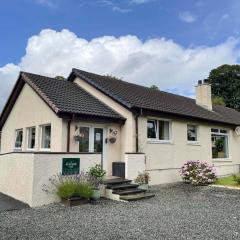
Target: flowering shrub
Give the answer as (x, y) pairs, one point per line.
(142, 178)
(198, 173)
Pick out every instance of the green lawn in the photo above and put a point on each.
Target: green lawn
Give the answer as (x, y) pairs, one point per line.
(226, 181)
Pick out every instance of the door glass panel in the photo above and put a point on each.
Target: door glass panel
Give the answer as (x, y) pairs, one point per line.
(98, 139)
(84, 139)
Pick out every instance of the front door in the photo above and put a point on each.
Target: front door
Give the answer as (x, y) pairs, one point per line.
(92, 140)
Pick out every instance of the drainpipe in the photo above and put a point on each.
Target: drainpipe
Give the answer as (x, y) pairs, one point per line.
(68, 133)
(136, 129)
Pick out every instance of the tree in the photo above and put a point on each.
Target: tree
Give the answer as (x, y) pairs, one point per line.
(154, 87)
(218, 101)
(225, 81)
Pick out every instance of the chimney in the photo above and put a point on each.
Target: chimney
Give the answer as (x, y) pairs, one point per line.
(204, 94)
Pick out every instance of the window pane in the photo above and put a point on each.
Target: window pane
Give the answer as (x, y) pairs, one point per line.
(219, 146)
(84, 139)
(164, 130)
(223, 131)
(31, 138)
(191, 133)
(19, 138)
(98, 139)
(46, 137)
(151, 129)
(214, 130)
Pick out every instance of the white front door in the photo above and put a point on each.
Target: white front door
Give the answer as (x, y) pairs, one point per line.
(92, 139)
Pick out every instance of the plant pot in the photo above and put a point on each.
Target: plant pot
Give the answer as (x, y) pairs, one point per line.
(74, 201)
(143, 186)
(221, 154)
(96, 195)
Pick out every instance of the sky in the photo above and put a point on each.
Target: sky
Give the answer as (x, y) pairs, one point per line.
(171, 44)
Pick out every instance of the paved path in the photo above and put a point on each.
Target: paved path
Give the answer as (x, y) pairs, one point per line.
(8, 203)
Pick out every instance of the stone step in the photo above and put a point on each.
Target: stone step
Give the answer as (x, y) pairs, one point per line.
(116, 181)
(129, 191)
(122, 186)
(136, 197)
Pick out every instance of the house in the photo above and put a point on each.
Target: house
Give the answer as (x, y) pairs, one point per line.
(49, 124)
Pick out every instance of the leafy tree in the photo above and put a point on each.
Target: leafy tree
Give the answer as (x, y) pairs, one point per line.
(154, 87)
(225, 81)
(218, 101)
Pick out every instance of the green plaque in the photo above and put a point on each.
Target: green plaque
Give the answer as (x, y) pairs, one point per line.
(70, 166)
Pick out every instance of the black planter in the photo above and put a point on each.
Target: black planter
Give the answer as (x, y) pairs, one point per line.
(74, 201)
(118, 169)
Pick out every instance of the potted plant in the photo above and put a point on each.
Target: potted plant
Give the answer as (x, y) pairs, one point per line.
(143, 180)
(96, 175)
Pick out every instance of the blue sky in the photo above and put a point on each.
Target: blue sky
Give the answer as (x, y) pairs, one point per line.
(211, 23)
(168, 43)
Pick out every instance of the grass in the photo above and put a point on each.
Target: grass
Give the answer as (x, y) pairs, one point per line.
(227, 181)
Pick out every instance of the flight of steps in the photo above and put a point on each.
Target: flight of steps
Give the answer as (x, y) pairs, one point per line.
(123, 190)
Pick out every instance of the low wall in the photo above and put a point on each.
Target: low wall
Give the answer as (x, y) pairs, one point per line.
(134, 164)
(22, 175)
(16, 176)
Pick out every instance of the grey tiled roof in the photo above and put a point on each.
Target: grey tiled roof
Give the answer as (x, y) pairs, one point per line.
(135, 96)
(67, 97)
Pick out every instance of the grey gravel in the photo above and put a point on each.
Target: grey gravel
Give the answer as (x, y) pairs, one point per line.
(178, 211)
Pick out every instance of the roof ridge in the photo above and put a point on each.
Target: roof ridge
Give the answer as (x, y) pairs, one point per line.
(138, 85)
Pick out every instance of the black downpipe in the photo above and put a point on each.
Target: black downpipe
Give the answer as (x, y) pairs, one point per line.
(136, 130)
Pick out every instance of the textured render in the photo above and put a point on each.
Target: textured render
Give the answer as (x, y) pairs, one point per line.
(134, 164)
(28, 111)
(163, 160)
(16, 176)
(47, 165)
(25, 174)
(128, 129)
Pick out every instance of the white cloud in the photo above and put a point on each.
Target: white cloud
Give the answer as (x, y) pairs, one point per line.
(48, 3)
(139, 1)
(187, 17)
(156, 61)
(121, 10)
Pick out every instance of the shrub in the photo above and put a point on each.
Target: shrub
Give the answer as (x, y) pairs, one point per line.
(84, 190)
(142, 178)
(236, 178)
(66, 189)
(198, 173)
(69, 186)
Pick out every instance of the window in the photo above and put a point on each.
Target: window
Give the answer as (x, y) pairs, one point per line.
(84, 139)
(31, 134)
(18, 138)
(46, 137)
(158, 130)
(98, 139)
(219, 143)
(192, 132)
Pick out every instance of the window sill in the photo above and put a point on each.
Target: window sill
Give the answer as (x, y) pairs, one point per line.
(194, 143)
(17, 149)
(222, 160)
(45, 150)
(159, 142)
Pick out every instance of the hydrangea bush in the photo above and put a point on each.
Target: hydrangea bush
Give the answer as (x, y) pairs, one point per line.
(198, 173)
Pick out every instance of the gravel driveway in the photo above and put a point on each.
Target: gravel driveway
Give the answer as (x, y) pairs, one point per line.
(177, 212)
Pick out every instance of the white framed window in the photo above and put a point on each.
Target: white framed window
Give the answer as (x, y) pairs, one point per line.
(192, 133)
(220, 143)
(31, 138)
(91, 139)
(18, 139)
(159, 130)
(45, 137)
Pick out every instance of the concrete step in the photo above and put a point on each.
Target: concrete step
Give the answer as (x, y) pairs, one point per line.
(122, 186)
(136, 197)
(116, 181)
(129, 191)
